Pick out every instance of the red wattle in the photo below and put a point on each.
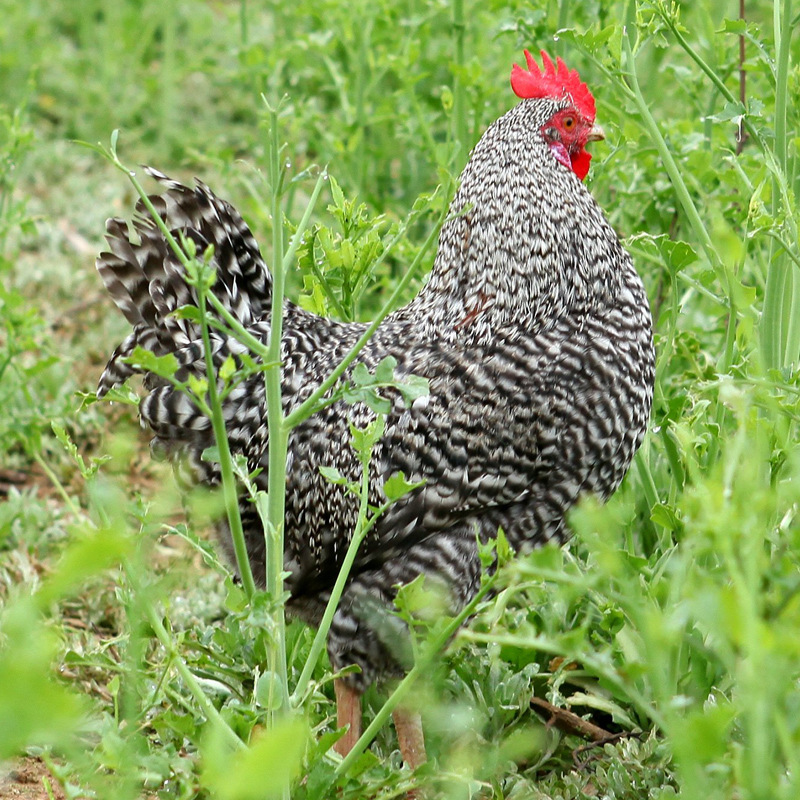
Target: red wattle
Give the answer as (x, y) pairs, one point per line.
(580, 163)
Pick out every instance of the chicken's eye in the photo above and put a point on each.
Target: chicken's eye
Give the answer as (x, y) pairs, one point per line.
(569, 123)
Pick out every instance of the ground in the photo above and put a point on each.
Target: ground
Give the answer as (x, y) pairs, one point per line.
(24, 779)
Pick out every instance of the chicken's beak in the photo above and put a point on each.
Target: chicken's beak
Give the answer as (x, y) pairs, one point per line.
(596, 134)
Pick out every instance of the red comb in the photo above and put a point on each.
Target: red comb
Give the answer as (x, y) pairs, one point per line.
(554, 81)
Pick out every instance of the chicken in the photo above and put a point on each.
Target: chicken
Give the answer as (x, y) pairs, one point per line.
(533, 330)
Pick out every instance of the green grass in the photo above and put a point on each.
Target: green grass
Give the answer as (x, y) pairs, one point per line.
(131, 661)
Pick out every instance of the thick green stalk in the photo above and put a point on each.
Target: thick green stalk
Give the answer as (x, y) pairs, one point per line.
(774, 328)
(646, 477)
(783, 36)
(321, 635)
(789, 286)
(230, 492)
(278, 435)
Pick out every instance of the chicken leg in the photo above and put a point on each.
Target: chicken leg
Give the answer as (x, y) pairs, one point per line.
(407, 723)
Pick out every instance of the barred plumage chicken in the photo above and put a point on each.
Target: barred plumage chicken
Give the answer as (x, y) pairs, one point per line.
(533, 331)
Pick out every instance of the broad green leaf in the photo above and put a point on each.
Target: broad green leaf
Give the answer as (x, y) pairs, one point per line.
(384, 372)
(259, 772)
(34, 708)
(333, 475)
(397, 486)
(413, 387)
(227, 369)
(268, 693)
(164, 366)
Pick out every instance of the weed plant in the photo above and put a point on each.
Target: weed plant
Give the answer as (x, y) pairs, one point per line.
(130, 660)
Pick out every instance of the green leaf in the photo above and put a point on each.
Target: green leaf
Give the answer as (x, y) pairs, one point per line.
(333, 475)
(376, 401)
(384, 372)
(504, 550)
(665, 516)
(336, 192)
(422, 599)
(730, 111)
(187, 312)
(198, 386)
(413, 387)
(323, 773)
(364, 439)
(227, 369)
(36, 710)
(737, 26)
(259, 772)
(361, 376)
(618, 714)
(164, 366)
(235, 599)
(268, 692)
(397, 486)
(211, 454)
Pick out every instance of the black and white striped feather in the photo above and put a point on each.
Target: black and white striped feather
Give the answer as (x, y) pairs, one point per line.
(533, 331)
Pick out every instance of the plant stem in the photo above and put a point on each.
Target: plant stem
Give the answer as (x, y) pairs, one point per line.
(240, 333)
(321, 635)
(309, 406)
(278, 435)
(777, 325)
(790, 327)
(362, 528)
(741, 136)
(59, 487)
(297, 239)
(229, 489)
